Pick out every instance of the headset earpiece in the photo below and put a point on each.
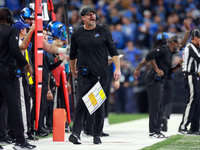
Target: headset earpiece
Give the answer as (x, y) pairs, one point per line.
(8, 15)
(10, 18)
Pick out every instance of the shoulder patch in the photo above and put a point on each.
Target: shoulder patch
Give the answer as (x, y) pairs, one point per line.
(16, 37)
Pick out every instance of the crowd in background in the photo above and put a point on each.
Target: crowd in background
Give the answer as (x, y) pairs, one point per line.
(134, 25)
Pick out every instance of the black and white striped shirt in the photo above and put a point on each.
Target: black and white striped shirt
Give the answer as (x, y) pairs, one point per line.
(191, 59)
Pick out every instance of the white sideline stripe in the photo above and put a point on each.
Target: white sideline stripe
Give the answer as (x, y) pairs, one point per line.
(40, 51)
(39, 17)
(39, 34)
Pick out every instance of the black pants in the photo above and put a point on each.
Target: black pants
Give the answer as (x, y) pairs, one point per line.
(191, 110)
(106, 103)
(168, 98)
(11, 94)
(84, 85)
(155, 92)
(43, 105)
(3, 116)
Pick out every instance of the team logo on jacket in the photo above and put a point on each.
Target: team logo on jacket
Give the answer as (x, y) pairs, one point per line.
(158, 50)
(16, 37)
(96, 35)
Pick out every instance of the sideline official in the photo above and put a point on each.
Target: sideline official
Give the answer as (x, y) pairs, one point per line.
(10, 55)
(89, 45)
(160, 59)
(191, 60)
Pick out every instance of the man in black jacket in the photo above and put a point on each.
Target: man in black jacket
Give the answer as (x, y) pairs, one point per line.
(160, 59)
(10, 55)
(89, 45)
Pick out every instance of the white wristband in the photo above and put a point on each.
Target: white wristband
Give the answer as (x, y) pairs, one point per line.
(62, 50)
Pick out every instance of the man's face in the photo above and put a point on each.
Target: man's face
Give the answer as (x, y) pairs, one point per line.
(45, 35)
(198, 41)
(90, 19)
(176, 47)
(30, 21)
(23, 32)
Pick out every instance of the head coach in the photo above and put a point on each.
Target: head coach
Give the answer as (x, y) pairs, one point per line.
(90, 45)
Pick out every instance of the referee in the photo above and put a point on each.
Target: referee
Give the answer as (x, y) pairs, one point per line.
(10, 55)
(191, 60)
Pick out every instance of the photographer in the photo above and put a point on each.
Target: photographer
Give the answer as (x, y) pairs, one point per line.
(10, 55)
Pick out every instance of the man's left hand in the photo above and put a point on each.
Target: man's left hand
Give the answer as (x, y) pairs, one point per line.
(117, 75)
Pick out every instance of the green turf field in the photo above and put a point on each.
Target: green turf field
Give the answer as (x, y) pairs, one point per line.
(119, 118)
(177, 142)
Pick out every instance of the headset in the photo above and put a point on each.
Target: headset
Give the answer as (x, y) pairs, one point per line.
(162, 36)
(161, 39)
(8, 16)
(87, 10)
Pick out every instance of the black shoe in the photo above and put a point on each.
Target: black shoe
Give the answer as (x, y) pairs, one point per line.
(164, 125)
(31, 137)
(193, 132)
(104, 134)
(1, 147)
(74, 139)
(50, 129)
(6, 140)
(182, 131)
(25, 145)
(42, 133)
(97, 140)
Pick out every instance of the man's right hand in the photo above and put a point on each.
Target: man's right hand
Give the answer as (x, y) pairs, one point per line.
(186, 23)
(74, 73)
(32, 27)
(29, 69)
(160, 72)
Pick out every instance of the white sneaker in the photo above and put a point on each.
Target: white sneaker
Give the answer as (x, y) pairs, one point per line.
(182, 132)
(157, 136)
